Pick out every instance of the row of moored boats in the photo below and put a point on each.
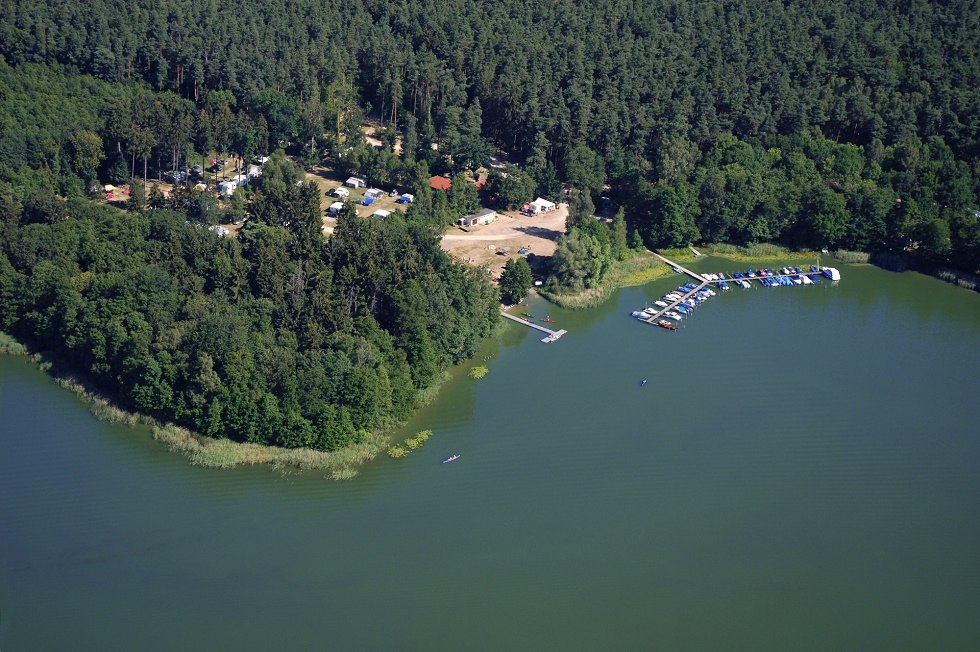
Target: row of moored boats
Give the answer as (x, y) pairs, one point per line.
(675, 306)
(681, 302)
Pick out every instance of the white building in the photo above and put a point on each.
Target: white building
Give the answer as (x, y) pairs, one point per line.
(479, 218)
(540, 205)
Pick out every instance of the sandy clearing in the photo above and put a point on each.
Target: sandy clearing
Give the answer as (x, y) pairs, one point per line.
(484, 246)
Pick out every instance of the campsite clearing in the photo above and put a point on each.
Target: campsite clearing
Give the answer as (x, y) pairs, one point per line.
(492, 245)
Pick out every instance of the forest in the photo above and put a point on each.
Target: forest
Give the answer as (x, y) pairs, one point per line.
(814, 124)
(272, 337)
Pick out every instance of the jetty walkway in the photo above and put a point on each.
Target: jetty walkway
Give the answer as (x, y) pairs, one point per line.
(701, 284)
(552, 335)
(786, 276)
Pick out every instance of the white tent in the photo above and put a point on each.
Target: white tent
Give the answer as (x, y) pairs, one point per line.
(335, 207)
(540, 205)
(381, 213)
(340, 192)
(227, 188)
(374, 193)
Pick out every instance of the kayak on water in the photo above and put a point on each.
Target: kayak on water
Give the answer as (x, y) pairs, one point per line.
(451, 458)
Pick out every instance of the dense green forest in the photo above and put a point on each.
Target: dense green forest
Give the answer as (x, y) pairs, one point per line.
(786, 122)
(270, 338)
(810, 124)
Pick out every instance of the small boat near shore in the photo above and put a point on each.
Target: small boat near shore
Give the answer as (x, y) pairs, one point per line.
(451, 458)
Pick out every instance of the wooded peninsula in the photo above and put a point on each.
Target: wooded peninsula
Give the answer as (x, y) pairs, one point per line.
(813, 124)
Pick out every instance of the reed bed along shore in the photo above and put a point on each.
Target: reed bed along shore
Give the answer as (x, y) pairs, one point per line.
(760, 253)
(638, 269)
(224, 453)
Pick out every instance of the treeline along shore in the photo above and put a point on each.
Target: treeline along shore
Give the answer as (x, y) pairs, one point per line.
(813, 125)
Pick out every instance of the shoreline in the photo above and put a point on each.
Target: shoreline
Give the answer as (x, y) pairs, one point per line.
(643, 267)
(220, 453)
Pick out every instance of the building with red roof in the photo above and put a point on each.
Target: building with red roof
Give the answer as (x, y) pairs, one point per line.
(440, 183)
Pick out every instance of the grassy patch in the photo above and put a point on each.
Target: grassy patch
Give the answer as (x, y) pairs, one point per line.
(846, 256)
(418, 440)
(10, 346)
(226, 454)
(478, 372)
(759, 253)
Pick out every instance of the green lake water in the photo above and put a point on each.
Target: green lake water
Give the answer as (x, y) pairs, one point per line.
(801, 472)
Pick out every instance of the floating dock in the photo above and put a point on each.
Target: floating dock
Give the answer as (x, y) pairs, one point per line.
(552, 335)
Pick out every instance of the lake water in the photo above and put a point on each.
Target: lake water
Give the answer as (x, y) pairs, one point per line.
(799, 473)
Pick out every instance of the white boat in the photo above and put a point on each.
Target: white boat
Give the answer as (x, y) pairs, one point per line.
(662, 304)
(807, 280)
(673, 315)
(831, 273)
(636, 313)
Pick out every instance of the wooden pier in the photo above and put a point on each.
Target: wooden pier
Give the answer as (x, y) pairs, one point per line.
(552, 335)
(696, 277)
(655, 317)
(703, 282)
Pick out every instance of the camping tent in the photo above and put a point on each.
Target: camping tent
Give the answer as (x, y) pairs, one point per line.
(381, 213)
(356, 182)
(540, 205)
(374, 193)
(335, 207)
